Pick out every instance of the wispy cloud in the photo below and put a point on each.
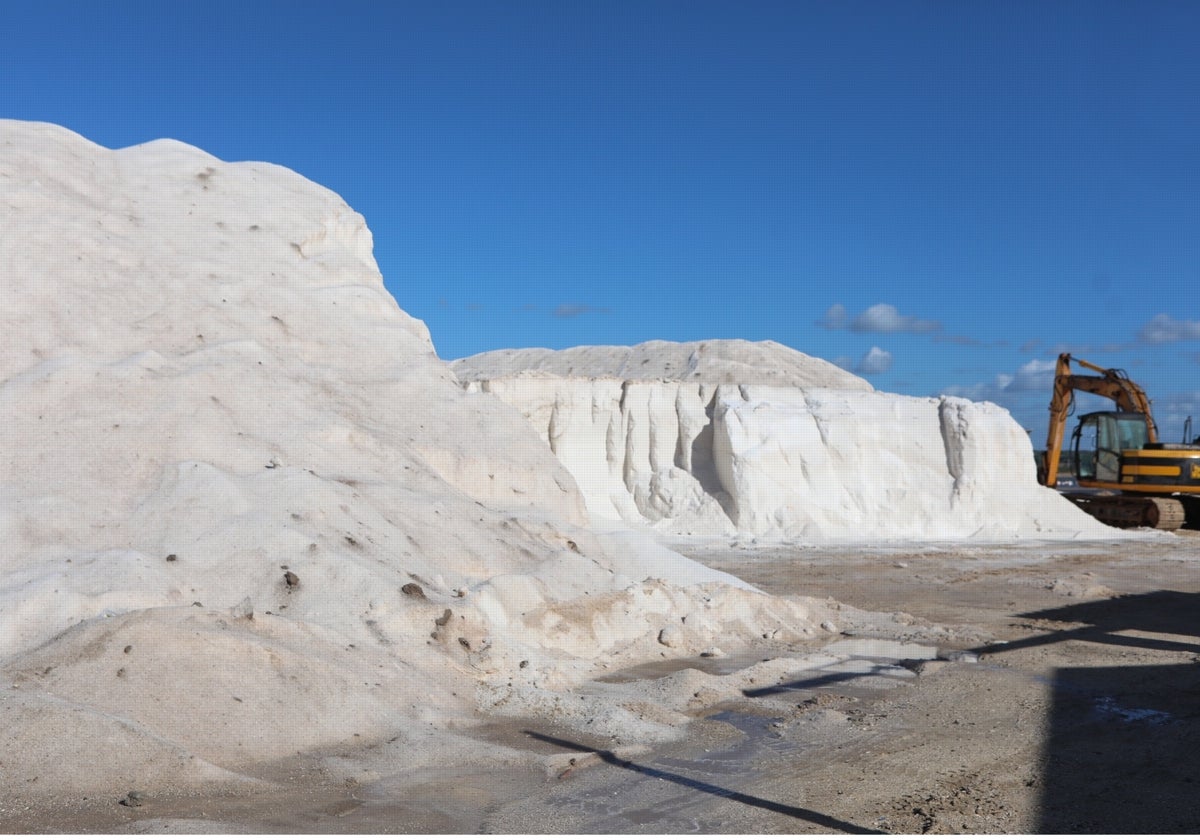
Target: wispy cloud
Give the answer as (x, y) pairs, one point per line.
(960, 340)
(1186, 401)
(835, 318)
(1172, 413)
(574, 310)
(1163, 329)
(1088, 349)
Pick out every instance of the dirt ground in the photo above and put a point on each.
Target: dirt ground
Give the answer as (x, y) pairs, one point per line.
(1083, 714)
(1064, 698)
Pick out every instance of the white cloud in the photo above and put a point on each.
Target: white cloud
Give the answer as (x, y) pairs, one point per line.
(1162, 328)
(1034, 375)
(875, 360)
(885, 318)
(835, 318)
(882, 318)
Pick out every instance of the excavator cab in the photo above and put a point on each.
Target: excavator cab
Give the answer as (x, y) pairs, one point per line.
(1101, 437)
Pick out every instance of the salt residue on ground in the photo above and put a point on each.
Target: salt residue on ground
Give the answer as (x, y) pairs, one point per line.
(758, 440)
(248, 513)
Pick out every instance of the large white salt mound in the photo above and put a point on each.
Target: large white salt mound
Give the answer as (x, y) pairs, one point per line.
(799, 450)
(246, 510)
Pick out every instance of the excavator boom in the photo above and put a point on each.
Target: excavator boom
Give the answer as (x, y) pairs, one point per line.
(1112, 383)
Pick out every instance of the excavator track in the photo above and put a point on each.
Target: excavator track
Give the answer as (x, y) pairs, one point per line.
(1171, 514)
(1128, 511)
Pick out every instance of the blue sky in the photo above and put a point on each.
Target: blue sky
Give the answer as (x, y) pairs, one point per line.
(939, 195)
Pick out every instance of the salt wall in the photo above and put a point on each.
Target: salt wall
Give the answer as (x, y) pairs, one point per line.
(776, 462)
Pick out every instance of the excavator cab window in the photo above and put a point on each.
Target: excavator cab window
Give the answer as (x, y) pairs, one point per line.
(1106, 434)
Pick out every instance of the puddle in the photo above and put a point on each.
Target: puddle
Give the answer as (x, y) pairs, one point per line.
(1104, 707)
(868, 667)
(864, 668)
(745, 722)
(719, 666)
(869, 656)
(1108, 708)
(881, 649)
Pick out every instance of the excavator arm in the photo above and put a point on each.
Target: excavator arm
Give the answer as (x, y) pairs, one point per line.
(1112, 383)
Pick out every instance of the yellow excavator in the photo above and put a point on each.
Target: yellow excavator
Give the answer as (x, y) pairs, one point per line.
(1125, 476)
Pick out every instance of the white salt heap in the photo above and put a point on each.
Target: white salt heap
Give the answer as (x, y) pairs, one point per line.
(247, 512)
(733, 437)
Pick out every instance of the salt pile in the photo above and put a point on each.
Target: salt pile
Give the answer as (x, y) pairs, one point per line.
(248, 513)
(761, 441)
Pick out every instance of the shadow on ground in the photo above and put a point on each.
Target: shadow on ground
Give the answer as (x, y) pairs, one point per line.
(804, 814)
(1122, 754)
(814, 683)
(1136, 621)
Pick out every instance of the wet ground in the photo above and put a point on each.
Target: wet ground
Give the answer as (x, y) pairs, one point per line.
(1065, 699)
(1030, 688)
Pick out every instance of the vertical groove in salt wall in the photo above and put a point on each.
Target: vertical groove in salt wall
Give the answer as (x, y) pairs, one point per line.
(640, 451)
(782, 462)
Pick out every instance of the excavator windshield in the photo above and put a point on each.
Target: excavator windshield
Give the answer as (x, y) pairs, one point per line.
(1106, 434)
